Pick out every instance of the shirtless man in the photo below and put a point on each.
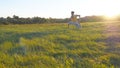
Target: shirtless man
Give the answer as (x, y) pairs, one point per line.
(73, 20)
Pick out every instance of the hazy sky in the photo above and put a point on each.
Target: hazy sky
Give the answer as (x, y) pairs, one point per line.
(58, 8)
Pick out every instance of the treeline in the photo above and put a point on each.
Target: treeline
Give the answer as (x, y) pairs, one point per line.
(38, 20)
(34, 20)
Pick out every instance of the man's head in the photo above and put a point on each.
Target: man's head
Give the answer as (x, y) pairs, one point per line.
(72, 13)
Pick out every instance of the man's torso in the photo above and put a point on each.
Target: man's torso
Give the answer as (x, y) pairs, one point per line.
(74, 18)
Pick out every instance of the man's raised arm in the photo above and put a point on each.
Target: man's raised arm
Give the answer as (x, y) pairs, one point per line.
(78, 16)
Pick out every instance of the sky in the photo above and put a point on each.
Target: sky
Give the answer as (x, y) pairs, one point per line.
(58, 8)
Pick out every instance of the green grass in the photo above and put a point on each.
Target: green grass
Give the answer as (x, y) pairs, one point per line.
(55, 46)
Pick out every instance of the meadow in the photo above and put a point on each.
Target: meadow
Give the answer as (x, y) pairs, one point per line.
(55, 45)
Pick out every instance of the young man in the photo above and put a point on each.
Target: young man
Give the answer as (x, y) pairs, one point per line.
(74, 20)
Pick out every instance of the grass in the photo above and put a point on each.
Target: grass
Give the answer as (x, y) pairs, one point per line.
(55, 46)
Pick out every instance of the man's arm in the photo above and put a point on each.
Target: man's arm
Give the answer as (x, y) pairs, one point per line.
(78, 16)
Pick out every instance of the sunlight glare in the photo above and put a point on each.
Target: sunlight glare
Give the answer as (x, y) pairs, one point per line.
(111, 8)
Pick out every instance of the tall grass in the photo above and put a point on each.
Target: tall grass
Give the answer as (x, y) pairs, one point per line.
(55, 46)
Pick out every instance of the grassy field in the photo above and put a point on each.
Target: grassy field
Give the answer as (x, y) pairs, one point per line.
(56, 46)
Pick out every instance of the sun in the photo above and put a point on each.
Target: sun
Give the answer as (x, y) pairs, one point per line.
(111, 9)
(111, 15)
(108, 8)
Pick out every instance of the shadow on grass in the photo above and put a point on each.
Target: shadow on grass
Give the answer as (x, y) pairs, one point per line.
(14, 37)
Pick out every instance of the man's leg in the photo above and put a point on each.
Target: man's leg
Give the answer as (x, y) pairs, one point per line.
(70, 23)
(77, 25)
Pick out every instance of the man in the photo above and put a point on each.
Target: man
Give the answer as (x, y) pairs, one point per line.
(73, 20)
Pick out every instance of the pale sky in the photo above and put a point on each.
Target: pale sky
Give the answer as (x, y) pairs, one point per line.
(58, 8)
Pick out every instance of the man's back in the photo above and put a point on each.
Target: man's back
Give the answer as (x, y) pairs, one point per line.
(74, 18)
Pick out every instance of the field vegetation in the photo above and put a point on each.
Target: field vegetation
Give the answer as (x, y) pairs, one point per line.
(54, 45)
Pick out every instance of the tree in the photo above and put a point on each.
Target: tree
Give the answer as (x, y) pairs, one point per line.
(15, 17)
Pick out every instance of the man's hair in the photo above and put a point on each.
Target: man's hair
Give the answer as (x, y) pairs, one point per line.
(72, 11)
